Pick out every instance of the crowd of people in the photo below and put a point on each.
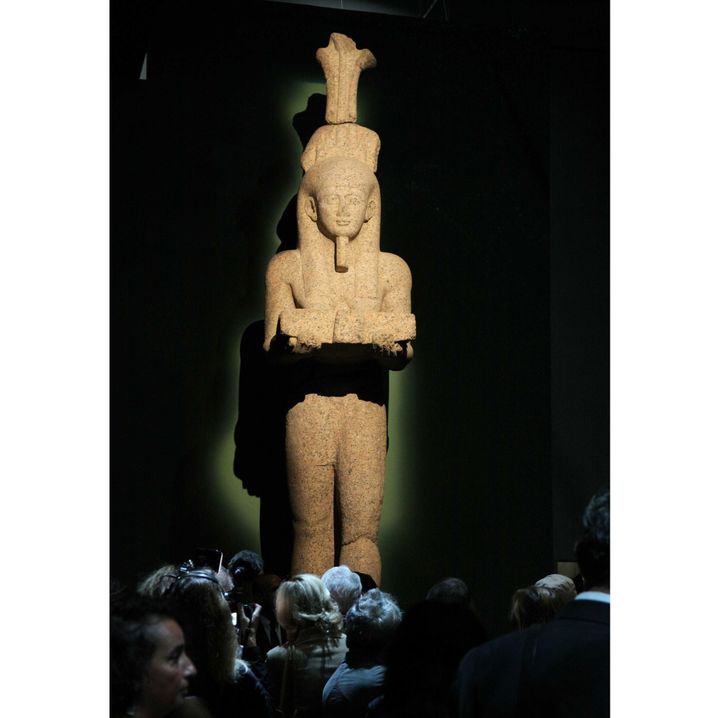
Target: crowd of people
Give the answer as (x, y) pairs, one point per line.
(215, 641)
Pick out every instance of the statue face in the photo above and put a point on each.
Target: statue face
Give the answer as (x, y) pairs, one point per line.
(341, 210)
(341, 203)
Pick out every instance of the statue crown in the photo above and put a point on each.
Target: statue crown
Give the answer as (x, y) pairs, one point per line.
(342, 64)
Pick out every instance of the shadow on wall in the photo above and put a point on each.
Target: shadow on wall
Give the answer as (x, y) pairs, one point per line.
(263, 391)
(260, 446)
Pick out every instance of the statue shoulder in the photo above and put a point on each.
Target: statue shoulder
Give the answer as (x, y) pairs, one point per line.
(394, 267)
(284, 265)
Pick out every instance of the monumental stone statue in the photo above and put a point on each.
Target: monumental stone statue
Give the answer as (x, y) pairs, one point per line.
(340, 309)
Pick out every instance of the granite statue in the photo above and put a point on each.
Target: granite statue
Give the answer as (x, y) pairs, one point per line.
(339, 308)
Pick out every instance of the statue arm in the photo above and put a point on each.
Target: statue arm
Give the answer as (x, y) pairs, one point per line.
(278, 293)
(393, 327)
(396, 284)
(292, 330)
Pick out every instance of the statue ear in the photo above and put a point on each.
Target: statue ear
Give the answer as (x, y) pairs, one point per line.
(311, 209)
(370, 210)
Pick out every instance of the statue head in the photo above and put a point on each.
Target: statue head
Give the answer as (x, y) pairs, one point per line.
(340, 196)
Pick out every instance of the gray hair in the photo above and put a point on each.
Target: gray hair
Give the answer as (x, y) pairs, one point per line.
(344, 586)
(371, 621)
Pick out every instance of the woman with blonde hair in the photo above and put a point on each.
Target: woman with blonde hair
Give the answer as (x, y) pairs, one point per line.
(299, 669)
(541, 602)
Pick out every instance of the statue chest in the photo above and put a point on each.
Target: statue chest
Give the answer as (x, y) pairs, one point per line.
(355, 290)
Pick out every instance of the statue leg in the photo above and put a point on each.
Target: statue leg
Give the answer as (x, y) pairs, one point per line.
(360, 480)
(310, 443)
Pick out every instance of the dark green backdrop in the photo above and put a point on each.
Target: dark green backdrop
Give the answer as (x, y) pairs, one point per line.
(493, 172)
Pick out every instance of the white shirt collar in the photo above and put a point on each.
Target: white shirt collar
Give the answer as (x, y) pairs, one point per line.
(593, 596)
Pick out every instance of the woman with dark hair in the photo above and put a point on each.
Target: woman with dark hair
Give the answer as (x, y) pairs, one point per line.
(299, 669)
(157, 583)
(225, 683)
(149, 669)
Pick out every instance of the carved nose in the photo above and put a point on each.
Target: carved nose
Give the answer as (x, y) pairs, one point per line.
(343, 209)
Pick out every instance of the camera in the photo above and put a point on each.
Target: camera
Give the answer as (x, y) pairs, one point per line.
(244, 566)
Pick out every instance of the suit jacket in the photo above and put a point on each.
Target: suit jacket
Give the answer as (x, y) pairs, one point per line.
(559, 669)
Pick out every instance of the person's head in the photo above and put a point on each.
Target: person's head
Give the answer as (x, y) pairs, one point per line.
(197, 600)
(593, 547)
(344, 586)
(303, 602)
(157, 583)
(452, 591)
(149, 668)
(562, 587)
(244, 567)
(371, 621)
(531, 605)
(341, 196)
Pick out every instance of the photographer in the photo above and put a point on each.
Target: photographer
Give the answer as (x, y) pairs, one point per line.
(243, 569)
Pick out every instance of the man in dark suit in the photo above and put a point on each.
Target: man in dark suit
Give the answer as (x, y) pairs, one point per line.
(561, 668)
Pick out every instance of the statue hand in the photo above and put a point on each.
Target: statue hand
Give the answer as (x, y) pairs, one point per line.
(306, 329)
(349, 328)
